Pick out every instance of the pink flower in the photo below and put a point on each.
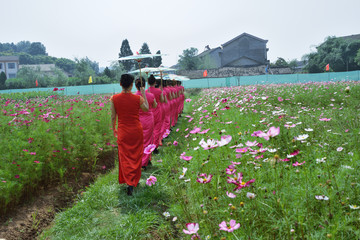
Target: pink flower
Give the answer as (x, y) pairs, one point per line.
(104, 167)
(151, 181)
(230, 195)
(339, 149)
(55, 89)
(33, 153)
(280, 99)
(231, 170)
(325, 119)
(230, 226)
(149, 149)
(273, 131)
(242, 150)
(237, 180)
(192, 228)
(16, 176)
(188, 100)
(203, 178)
(204, 131)
(36, 162)
(251, 144)
(195, 130)
(224, 140)
(296, 152)
(186, 158)
(298, 164)
(175, 143)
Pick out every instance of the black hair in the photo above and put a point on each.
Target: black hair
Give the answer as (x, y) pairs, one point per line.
(138, 83)
(158, 82)
(126, 80)
(151, 79)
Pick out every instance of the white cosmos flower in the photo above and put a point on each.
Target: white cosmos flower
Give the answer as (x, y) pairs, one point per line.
(302, 137)
(166, 214)
(183, 173)
(320, 160)
(321, 197)
(196, 148)
(354, 207)
(309, 129)
(347, 167)
(250, 195)
(272, 150)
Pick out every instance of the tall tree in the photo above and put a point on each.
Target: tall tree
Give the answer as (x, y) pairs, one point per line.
(125, 51)
(189, 60)
(146, 61)
(2, 80)
(157, 61)
(37, 48)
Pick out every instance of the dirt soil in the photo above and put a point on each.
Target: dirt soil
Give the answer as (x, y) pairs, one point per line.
(28, 220)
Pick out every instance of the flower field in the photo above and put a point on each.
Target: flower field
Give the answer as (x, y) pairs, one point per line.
(267, 162)
(48, 137)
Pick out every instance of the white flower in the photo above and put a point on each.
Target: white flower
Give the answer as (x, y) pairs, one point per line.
(194, 139)
(320, 160)
(354, 207)
(321, 197)
(351, 153)
(174, 219)
(339, 149)
(250, 195)
(309, 129)
(223, 130)
(166, 214)
(207, 237)
(347, 167)
(272, 150)
(187, 180)
(183, 173)
(302, 137)
(196, 148)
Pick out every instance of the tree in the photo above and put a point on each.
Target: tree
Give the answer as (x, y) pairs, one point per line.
(206, 62)
(189, 60)
(37, 48)
(65, 64)
(146, 61)
(124, 52)
(357, 58)
(23, 46)
(157, 61)
(339, 53)
(280, 63)
(117, 69)
(107, 72)
(83, 71)
(2, 80)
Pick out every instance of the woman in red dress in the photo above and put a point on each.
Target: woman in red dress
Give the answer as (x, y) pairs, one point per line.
(125, 107)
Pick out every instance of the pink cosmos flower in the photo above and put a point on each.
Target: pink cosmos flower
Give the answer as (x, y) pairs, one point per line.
(230, 195)
(273, 131)
(210, 143)
(175, 143)
(235, 163)
(195, 130)
(149, 149)
(280, 99)
(204, 131)
(339, 149)
(224, 140)
(325, 119)
(242, 150)
(296, 152)
(251, 144)
(231, 170)
(204, 178)
(36, 161)
(55, 89)
(239, 183)
(33, 153)
(298, 164)
(192, 228)
(230, 226)
(151, 181)
(188, 100)
(186, 158)
(16, 176)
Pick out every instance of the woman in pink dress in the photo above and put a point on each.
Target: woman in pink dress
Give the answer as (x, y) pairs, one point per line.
(147, 121)
(157, 111)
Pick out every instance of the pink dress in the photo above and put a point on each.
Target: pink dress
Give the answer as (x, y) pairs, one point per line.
(147, 122)
(158, 115)
(166, 125)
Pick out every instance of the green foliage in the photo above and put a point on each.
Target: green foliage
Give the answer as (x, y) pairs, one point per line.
(2, 80)
(189, 60)
(83, 71)
(125, 51)
(117, 69)
(37, 48)
(66, 64)
(107, 72)
(339, 53)
(280, 63)
(146, 61)
(357, 58)
(157, 61)
(52, 137)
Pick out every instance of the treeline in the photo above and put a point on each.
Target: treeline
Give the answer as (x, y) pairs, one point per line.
(125, 51)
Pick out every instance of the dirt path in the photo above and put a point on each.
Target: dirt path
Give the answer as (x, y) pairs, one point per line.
(29, 219)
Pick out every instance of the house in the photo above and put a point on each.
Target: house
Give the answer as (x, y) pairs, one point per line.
(9, 65)
(46, 69)
(244, 50)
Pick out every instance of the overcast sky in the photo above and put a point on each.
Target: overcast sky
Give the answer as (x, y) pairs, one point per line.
(79, 28)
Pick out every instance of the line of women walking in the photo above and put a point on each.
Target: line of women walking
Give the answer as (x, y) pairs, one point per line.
(144, 119)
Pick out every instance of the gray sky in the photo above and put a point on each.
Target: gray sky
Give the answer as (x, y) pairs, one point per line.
(79, 28)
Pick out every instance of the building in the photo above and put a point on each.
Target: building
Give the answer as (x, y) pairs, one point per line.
(244, 50)
(47, 69)
(9, 65)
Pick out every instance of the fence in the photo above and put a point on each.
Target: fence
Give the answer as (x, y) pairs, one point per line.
(213, 82)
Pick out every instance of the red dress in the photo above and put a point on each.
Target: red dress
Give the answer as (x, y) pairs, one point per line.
(130, 137)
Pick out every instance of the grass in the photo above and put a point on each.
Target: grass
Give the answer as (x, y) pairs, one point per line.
(306, 180)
